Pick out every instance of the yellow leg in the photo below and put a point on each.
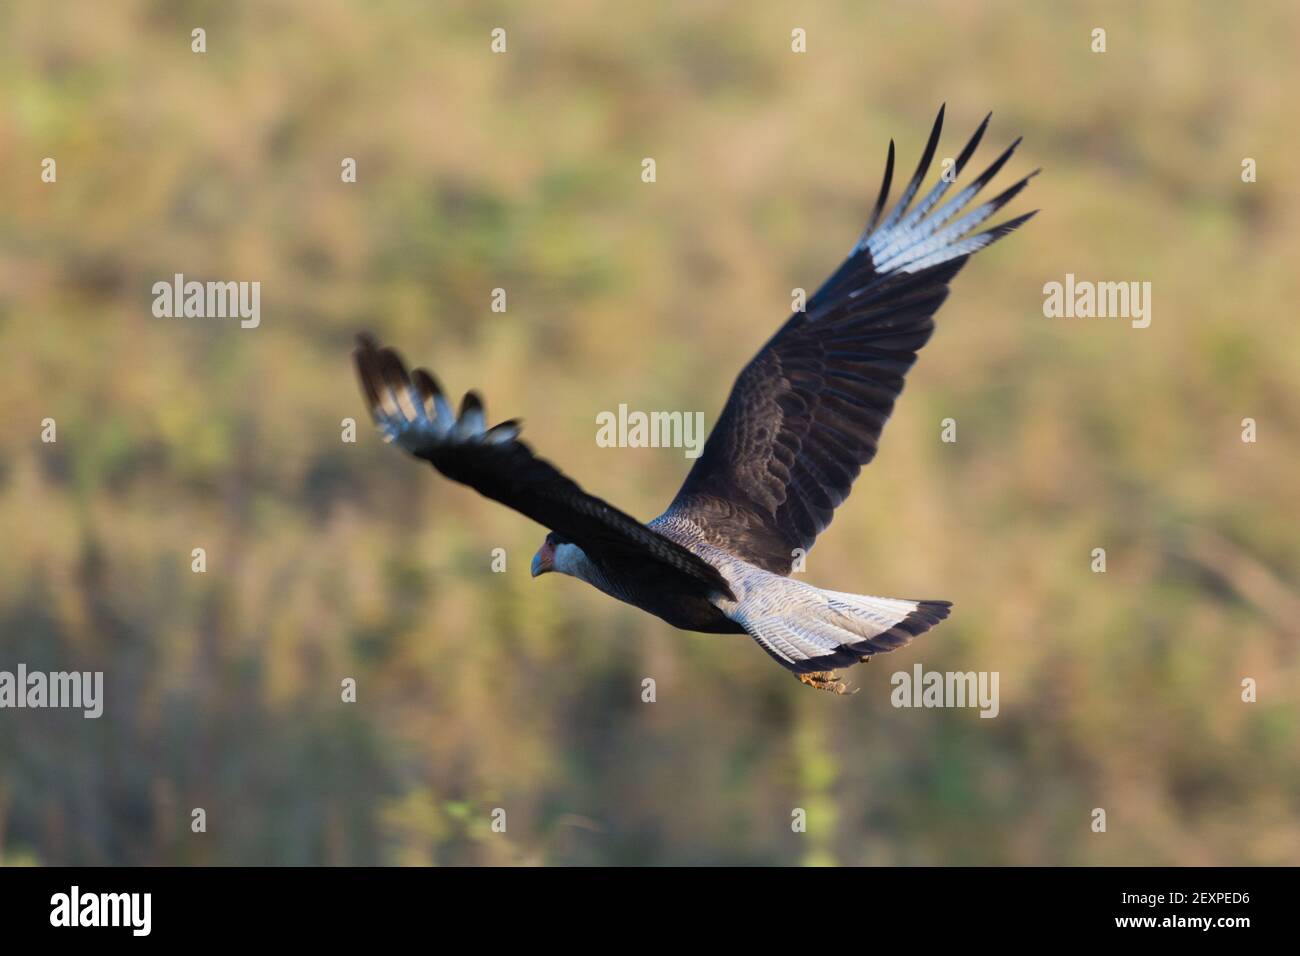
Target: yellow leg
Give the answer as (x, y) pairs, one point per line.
(826, 680)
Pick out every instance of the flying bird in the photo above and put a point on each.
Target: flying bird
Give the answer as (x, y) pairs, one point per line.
(802, 419)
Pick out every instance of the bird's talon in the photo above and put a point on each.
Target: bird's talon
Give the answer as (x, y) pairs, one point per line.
(827, 681)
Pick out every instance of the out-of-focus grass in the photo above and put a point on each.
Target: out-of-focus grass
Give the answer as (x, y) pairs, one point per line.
(478, 690)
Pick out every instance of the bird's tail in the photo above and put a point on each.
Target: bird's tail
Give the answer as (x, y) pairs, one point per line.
(809, 630)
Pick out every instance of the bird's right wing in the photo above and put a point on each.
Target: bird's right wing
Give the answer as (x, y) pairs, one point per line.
(412, 412)
(806, 413)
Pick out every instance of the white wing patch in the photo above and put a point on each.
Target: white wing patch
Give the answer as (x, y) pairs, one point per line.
(420, 420)
(910, 241)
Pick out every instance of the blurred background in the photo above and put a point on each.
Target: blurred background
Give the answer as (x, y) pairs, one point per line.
(476, 690)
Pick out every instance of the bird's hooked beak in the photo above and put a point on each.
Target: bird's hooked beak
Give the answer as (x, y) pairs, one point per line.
(544, 559)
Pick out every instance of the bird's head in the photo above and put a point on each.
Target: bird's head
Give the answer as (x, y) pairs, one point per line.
(547, 557)
(558, 553)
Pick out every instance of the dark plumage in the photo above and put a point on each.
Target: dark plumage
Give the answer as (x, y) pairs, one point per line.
(804, 416)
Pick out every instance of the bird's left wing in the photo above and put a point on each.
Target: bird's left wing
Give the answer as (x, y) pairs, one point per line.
(806, 413)
(412, 412)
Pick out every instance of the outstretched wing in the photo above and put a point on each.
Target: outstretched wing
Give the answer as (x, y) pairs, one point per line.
(412, 413)
(806, 413)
